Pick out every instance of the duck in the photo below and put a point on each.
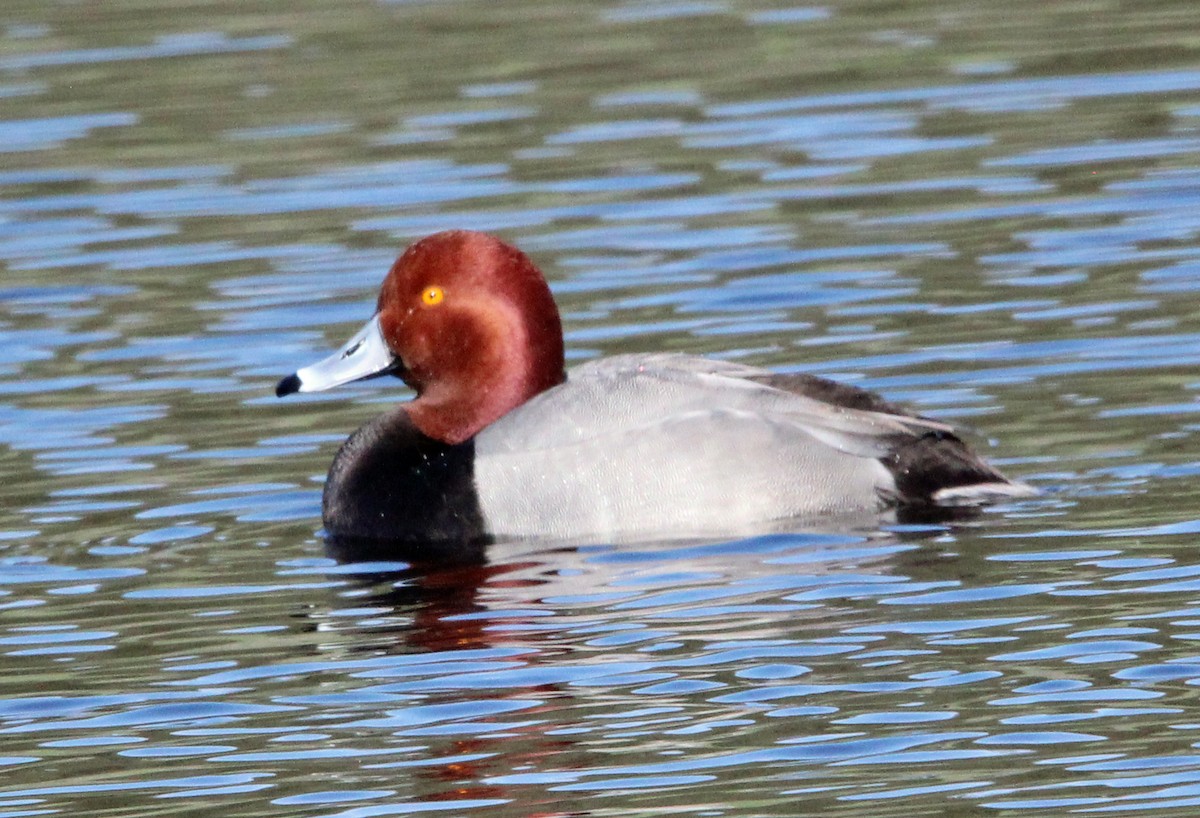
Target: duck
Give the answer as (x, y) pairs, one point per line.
(501, 440)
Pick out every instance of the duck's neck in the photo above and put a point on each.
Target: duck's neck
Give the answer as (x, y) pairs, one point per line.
(507, 371)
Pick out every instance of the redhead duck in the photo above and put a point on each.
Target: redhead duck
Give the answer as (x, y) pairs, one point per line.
(501, 441)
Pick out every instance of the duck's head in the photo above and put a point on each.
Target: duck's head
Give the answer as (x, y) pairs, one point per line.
(464, 319)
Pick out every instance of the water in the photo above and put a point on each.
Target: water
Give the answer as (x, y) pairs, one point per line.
(989, 214)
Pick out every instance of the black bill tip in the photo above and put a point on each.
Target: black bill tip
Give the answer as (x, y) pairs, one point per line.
(287, 386)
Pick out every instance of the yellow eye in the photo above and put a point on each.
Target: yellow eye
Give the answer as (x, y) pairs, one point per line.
(432, 296)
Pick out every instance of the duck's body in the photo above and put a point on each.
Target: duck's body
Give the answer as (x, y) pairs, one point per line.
(635, 444)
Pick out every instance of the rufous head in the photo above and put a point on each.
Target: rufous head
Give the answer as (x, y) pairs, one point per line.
(467, 321)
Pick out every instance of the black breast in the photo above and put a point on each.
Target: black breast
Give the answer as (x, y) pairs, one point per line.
(390, 481)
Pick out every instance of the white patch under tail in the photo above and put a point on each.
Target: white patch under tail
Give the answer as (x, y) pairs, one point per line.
(978, 493)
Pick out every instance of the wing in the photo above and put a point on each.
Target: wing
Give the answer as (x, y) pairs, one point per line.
(633, 394)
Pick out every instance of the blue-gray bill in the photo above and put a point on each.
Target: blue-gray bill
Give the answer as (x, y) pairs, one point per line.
(365, 355)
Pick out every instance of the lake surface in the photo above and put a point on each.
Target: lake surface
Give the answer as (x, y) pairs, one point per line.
(988, 212)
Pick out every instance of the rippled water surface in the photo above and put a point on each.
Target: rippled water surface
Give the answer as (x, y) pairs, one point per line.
(988, 212)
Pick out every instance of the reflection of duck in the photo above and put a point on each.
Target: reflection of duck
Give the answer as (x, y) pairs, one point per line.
(499, 440)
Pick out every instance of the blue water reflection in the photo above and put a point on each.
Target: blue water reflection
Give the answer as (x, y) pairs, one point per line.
(990, 218)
